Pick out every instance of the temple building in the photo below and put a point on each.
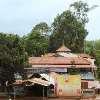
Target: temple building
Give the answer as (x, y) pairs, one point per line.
(66, 73)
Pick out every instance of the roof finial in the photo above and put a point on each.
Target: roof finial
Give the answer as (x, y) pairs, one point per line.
(63, 48)
(63, 44)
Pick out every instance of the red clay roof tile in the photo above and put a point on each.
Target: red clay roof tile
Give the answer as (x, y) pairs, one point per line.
(63, 49)
(83, 55)
(58, 61)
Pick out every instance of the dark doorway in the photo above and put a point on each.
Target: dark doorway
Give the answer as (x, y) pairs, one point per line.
(36, 90)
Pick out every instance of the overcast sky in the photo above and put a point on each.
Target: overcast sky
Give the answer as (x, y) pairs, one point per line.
(19, 16)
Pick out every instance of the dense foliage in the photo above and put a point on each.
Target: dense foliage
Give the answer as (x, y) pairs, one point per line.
(98, 62)
(42, 28)
(80, 10)
(12, 57)
(93, 49)
(69, 27)
(15, 50)
(37, 40)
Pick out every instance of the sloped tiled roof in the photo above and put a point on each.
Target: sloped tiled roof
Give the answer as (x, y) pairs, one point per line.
(63, 48)
(83, 55)
(58, 61)
(49, 55)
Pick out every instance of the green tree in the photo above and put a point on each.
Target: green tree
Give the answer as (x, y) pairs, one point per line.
(36, 44)
(80, 10)
(97, 44)
(93, 49)
(37, 40)
(97, 56)
(67, 28)
(98, 62)
(12, 57)
(90, 48)
(42, 28)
